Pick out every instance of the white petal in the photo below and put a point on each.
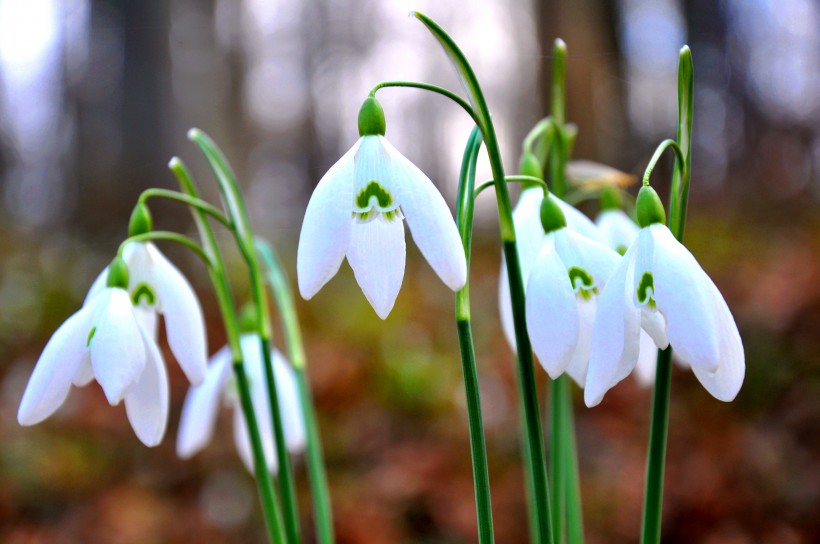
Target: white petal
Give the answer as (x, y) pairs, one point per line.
(199, 413)
(552, 313)
(616, 229)
(577, 368)
(59, 363)
(654, 324)
(429, 220)
(242, 437)
(146, 402)
(97, 287)
(85, 373)
(616, 333)
(596, 258)
(117, 350)
(683, 294)
(647, 361)
(290, 406)
(326, 227)
(176, 300)
(725, 382)
(255, 368)
(376, 255)
(577, 221)
(505, 305)
(373, 162)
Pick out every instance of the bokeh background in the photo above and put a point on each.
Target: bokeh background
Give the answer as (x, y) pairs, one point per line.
(97, 95)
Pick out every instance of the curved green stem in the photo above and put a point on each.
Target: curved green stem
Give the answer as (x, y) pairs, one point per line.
(169, 236)
(428, 87)
(528, 396)
(541, 129)
(283, 295)
(680, 160)
(510, 179)
(238, 214)
(219, 278)
(194, 202)
(679, 195)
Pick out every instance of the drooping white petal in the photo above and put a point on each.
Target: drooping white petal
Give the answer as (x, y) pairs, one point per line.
(57, 366)
(647, 361)
(377, 254)
(373, 163)
(326, 227)
(578, 250)
(242, 437)
(724, 383)
(616, 229)
(429, 220)
(505, 305)
(96, 287)
(84, 374)
(290, 407)
(654, 324)
(178, 303)
(552, 313)
(148, 320)
(683, 294)
(577, 221)
(117, 350)
(577, 368)
(616, 333)
(201, 407)
(146, 402)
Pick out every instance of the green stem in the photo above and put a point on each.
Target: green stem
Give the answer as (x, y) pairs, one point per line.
(558, 393)
(541, 129)
(680, 161)
(194, 202)
(264, 482)
(317, 475)
(509, 179)
(679, 195)
(575, 520)
(478, 448)
(168, 236)
(238, 214)
(428, 87)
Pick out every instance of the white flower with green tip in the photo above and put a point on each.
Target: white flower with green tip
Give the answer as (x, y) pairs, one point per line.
(357, 210)
(106, 341)
(199, 413)
(661, 288)
(529, 237)
(562, 291)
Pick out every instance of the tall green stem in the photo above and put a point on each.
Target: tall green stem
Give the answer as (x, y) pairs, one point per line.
(219, 278)
(678, 199)
(280, 285)
(238, 214)
(478, 448)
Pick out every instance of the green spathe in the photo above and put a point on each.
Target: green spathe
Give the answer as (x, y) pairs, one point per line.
(649, 207)
(371, 118)
(141, 221)
(552, 218)
(117, 274)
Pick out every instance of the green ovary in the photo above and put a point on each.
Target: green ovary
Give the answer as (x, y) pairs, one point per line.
(143, 291)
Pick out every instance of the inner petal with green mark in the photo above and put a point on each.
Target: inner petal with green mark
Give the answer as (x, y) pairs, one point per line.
(582, 282)
(373, 200)
(143, 292)
(646, 290)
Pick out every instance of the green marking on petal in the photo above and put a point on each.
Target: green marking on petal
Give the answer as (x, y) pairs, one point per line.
(90, 336)
(143, 291)
(580, 278)
(646, 288)
(622, 250)
(373, 190)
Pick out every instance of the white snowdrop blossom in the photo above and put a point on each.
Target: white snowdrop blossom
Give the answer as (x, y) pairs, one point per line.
(158, 287)
(358, 209)
(199, 413)
(618, 231)
(105, 341)
(562, 292)
(661, 288)
(529, 237)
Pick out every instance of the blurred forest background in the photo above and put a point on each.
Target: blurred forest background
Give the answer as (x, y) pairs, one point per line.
(97, 95)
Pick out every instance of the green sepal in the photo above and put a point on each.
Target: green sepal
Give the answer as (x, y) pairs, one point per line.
(649, 207)
(610, 198)
(117, 273)
(141, 220)
(371, 118)
(552, 218)
(530, 166)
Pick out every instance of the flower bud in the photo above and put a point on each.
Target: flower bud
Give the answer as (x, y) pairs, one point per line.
(117, 273)
(552, 218)
(141, 221)
(371, 118)
(610, 198)
(649, 207)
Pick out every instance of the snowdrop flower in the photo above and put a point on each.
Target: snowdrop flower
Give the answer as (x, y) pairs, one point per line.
(660, 287)
(357, 210)
(562, 291)
(529, 236)
(106, 341)
(202, 403)
(159, 288)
